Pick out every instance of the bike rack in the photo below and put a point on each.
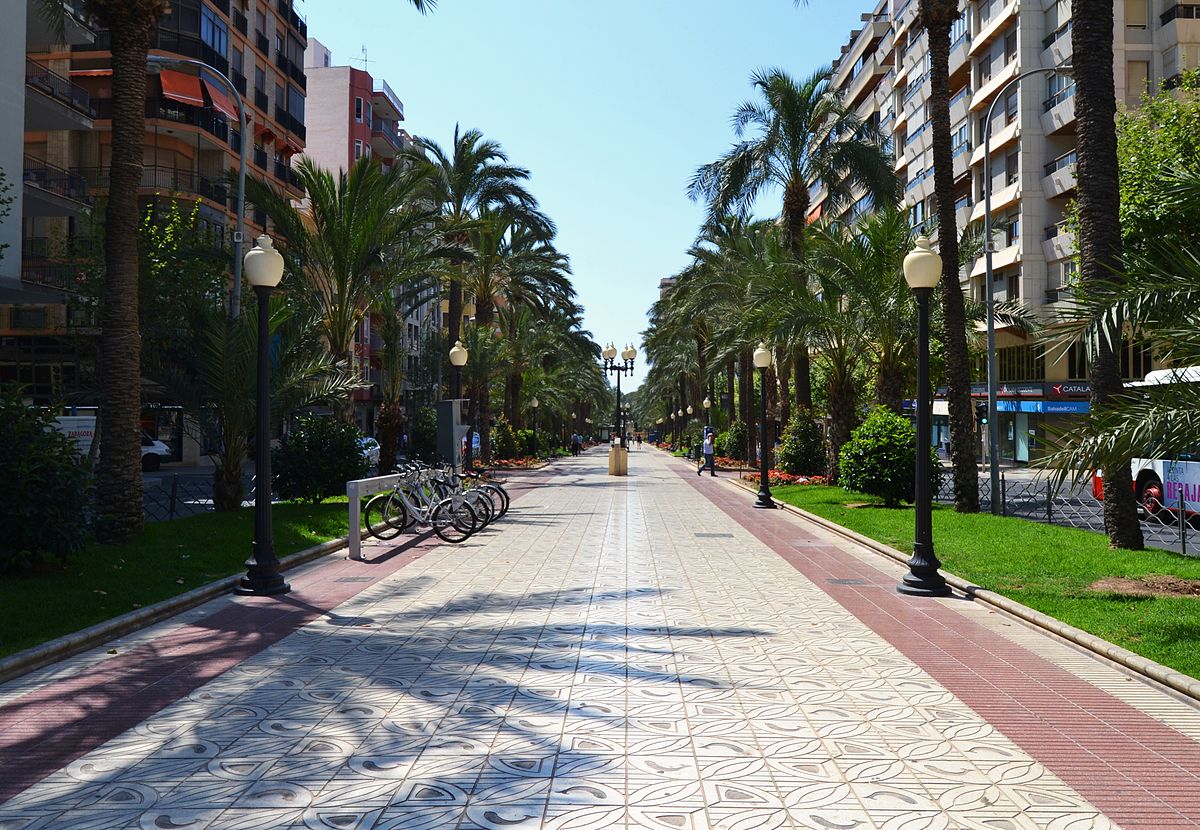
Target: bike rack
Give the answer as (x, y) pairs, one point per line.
(355, 490)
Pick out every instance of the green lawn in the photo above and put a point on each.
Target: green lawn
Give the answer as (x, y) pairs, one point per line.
(166, 559)
(1045, 567)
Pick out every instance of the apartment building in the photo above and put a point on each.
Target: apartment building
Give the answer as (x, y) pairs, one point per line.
(354, 115)
(883, 71)
(192, 144)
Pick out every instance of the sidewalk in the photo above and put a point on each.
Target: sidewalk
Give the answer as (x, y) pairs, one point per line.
(619, 652)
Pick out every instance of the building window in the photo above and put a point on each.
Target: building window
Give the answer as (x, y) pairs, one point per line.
(358, 148)
(358, 110)
(213, 31)
(1020, 363)
(1137, 14)
(1137, 80)
(1012, 228)
(960, 139)
(1014, 286)
(1136, 359)
(236, 62)
(1077, 362)
(1012, 169)
(1010, 46)
(295, 103)
(368, 116)
(260, 79)
(1010, 107)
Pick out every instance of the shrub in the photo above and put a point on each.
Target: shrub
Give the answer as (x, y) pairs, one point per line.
(316, 459)
(880, 458)
(504, 440)
(44, 486)
(802, 448)
(525, 441)
(734, 439)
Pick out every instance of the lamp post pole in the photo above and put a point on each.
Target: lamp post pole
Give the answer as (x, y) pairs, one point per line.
(707, 405)
(265, 266)
(534, 403)
(235, 299)
(458, 359)
(762, 360)
(922, 269)
(990, 295)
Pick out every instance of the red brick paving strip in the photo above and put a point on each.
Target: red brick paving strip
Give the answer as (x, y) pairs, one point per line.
(49, 728)
(1136, 770)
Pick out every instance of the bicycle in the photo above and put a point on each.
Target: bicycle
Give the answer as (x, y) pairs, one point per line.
(416, 501)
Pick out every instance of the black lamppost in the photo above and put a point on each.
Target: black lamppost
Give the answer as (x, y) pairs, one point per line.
(922, 270)
(762, 360)
(263, 269)
(707, 405)
(620, 367)
(534, 404)
(458, 359)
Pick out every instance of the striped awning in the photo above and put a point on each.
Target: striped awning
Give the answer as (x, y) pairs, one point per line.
(180, 87)
(220, 101)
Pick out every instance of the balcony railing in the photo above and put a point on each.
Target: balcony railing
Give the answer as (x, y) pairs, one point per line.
(386, 130)
(1185, 11)
(1068, 159)
(260, 40)
(1057, 229)
(262, 101)
(260, 157)
(66, 183)
(1052, 38)
(281, 170)
(1057, 98)
(164, 179)
(56, 86)
(239, 82)
(51, 275)
(240, 23)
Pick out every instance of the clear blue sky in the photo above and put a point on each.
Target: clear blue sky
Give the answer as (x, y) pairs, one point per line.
(611, 105)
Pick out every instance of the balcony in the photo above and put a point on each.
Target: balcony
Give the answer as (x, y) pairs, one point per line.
(54, 103)
(261, 101)
(261, 43)
(1059, 179)
(53, 191)
(1180, 11)
(161, 179)
(56, 275)
(989, 29)
(240, 23)
(390, 100)
(1056, 47)
(990, 86)
(1058, 244)
(1058, 111)
(281, 171)
(239, 82)
(384, 137)
(260, 158)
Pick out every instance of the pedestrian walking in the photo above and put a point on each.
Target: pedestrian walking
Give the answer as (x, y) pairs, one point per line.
(710, 456)
(639, 440)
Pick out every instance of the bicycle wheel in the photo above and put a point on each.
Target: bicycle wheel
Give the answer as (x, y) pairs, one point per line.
(385, 516)
(482, 505)
(452, 522)
(500, 495)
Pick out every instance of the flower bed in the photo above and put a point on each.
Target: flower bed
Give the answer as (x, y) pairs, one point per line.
(778, 478)
(517, 463)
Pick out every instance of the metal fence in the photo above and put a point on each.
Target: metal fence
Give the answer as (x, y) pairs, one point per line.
(175, 496)
(1035, 499)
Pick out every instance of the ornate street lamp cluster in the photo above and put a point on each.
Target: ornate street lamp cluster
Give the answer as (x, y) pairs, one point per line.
(619, 367)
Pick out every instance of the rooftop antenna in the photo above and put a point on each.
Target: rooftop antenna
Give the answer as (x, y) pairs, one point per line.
(364, 58)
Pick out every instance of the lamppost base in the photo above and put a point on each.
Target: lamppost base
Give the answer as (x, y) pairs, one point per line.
(262, 581)
(923, 582)
(764, 501)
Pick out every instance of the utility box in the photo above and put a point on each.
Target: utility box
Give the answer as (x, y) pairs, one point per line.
(618, 461)
(451, 429)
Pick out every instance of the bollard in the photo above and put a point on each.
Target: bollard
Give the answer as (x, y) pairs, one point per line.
(1182, 523)
(1049, 504)
(1003, 496)
(174, 492)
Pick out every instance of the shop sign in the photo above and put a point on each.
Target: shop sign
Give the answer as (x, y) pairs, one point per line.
(1069, 389)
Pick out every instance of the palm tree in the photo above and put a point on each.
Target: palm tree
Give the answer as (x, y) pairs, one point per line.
(805, 135)
(362, 235)
(1100, 236)
(473, 176)
(937, 17)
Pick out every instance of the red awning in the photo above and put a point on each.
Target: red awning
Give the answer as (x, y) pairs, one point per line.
(180, 87)
(290, 147)
(265, 133)
(220, 101)
(90, 73)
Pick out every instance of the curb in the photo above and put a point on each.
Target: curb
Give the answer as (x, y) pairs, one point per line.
(69, 645)
(1176, 681)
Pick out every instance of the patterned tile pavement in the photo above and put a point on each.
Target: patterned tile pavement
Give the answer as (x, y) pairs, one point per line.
(638, 652)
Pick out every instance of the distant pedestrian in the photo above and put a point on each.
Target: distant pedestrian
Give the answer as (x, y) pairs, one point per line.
(710, 458)
(639, 440)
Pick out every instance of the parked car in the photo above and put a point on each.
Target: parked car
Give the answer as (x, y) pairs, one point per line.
(370, 450)
(154, 453)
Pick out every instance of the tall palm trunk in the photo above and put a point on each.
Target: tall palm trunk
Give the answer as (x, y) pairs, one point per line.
(730, 379)
(937, 16)
(746, 402)
(484, 317)
(1100, 233)
(889, 387)
(843, 407)
(512, 385)
(785, 391)
(119, 476)
(795, 216)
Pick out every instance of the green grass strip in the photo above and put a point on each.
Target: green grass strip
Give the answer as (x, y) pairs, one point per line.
(164, 560)
(1045, 567)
